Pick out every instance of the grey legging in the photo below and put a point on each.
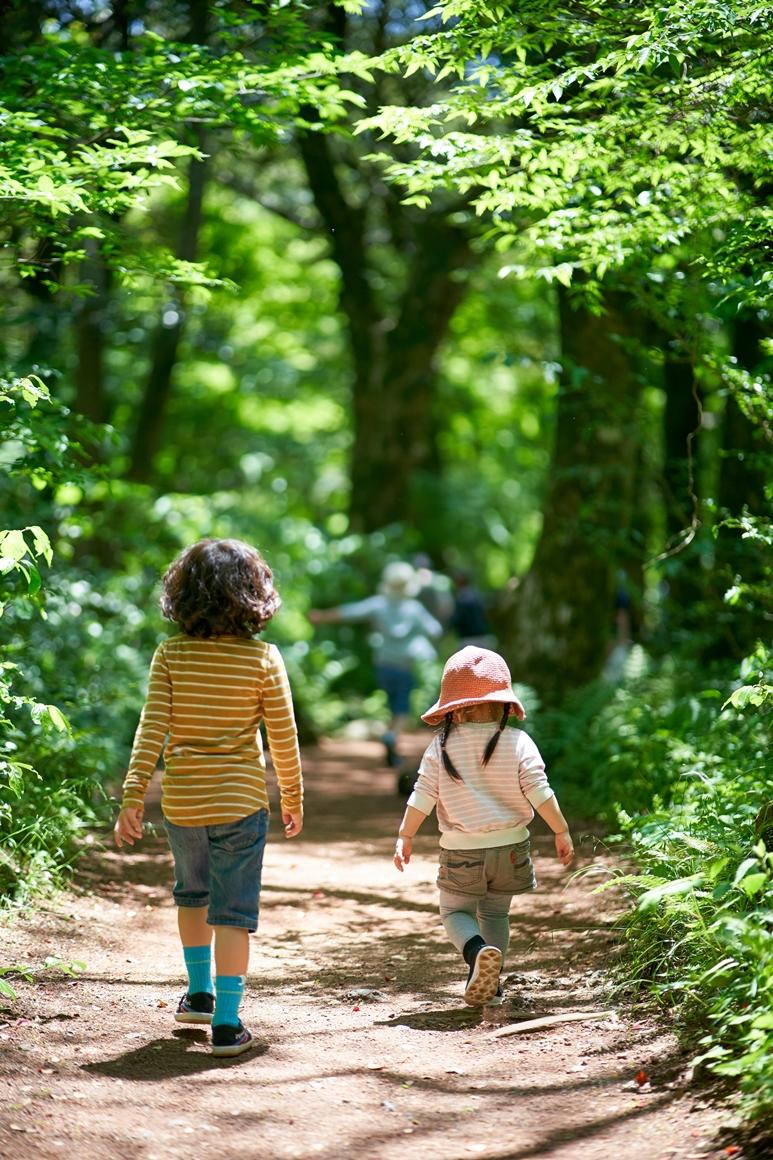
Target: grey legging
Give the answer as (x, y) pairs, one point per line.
(465, 917)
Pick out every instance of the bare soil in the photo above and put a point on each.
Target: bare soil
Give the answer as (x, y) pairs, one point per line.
(370, 1051)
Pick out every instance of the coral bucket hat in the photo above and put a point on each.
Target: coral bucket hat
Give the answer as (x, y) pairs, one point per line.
(471, 676)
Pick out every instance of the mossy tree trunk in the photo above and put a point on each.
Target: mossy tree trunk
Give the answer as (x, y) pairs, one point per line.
(742, 561)
(148, 433)
(394, 344)
(555, 624)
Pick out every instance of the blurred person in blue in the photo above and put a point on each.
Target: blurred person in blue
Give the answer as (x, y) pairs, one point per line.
(402, 636)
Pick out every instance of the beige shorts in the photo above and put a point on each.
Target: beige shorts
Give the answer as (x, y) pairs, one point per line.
(495, 870)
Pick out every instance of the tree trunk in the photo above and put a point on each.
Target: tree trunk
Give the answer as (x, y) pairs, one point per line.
(741, 488)
(395, 448)
(90, 320)
(681, 429)
(555, 624)
(394, 444)
(158, 389)
(46, 320)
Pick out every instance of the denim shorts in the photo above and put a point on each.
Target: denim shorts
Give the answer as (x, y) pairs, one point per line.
(398, 686)
(494, 870)
(220, 867)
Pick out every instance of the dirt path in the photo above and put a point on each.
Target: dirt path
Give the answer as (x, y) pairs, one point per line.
(94, 1067)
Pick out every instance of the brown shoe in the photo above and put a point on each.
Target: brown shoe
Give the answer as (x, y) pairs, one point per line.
(483, 981)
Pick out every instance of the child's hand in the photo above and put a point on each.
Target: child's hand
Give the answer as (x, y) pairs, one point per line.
(564, 848)
(293, 822)
(128, 828)
(403, 851)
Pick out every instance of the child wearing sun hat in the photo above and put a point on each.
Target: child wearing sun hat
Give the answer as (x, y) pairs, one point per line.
(486, 787)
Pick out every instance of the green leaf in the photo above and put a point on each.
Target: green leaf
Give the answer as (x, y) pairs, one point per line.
(58, 719)
(34, 581)
(13, 545)
(765, 1021)
(747, 865)
(672, 889)
(750, 695)
(753, 883)
(40, 542)
(33, 390)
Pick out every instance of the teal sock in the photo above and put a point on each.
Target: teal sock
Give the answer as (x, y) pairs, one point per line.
(228, 995)
(198, 961)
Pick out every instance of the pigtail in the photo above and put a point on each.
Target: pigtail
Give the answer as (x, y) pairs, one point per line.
(493, 741)
(448, 764)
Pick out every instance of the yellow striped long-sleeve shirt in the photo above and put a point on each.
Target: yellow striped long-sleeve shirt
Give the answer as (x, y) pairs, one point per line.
(205, 703)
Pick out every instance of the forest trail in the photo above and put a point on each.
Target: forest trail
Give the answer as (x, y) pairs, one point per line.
(95, 1067)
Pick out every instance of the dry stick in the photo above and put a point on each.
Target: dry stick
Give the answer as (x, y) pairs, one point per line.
(549, 1021)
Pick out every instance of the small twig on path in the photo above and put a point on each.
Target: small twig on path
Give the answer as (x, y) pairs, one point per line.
(549, 1021)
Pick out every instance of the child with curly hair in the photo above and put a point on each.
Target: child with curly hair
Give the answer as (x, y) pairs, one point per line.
(210, 687)
(486, 787)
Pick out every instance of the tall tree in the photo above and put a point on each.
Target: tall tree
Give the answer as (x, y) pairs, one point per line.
(93, 103)
(166, 340)
(742, 565)
(556, 620)
(394, 345)
(603, 137)
(403, 270)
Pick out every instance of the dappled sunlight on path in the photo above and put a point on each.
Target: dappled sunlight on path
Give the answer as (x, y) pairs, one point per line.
(370, 1048)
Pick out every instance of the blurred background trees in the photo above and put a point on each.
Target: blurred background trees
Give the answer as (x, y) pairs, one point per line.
(357, 281)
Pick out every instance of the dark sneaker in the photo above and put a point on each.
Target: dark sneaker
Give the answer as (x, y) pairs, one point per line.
(230, 1040)
(484, 976)
(196, 1008)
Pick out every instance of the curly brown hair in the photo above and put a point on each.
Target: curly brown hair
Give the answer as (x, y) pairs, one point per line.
(219, 588)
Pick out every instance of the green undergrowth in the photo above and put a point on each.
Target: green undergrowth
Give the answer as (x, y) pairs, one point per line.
(683, 766)
(52, 965)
